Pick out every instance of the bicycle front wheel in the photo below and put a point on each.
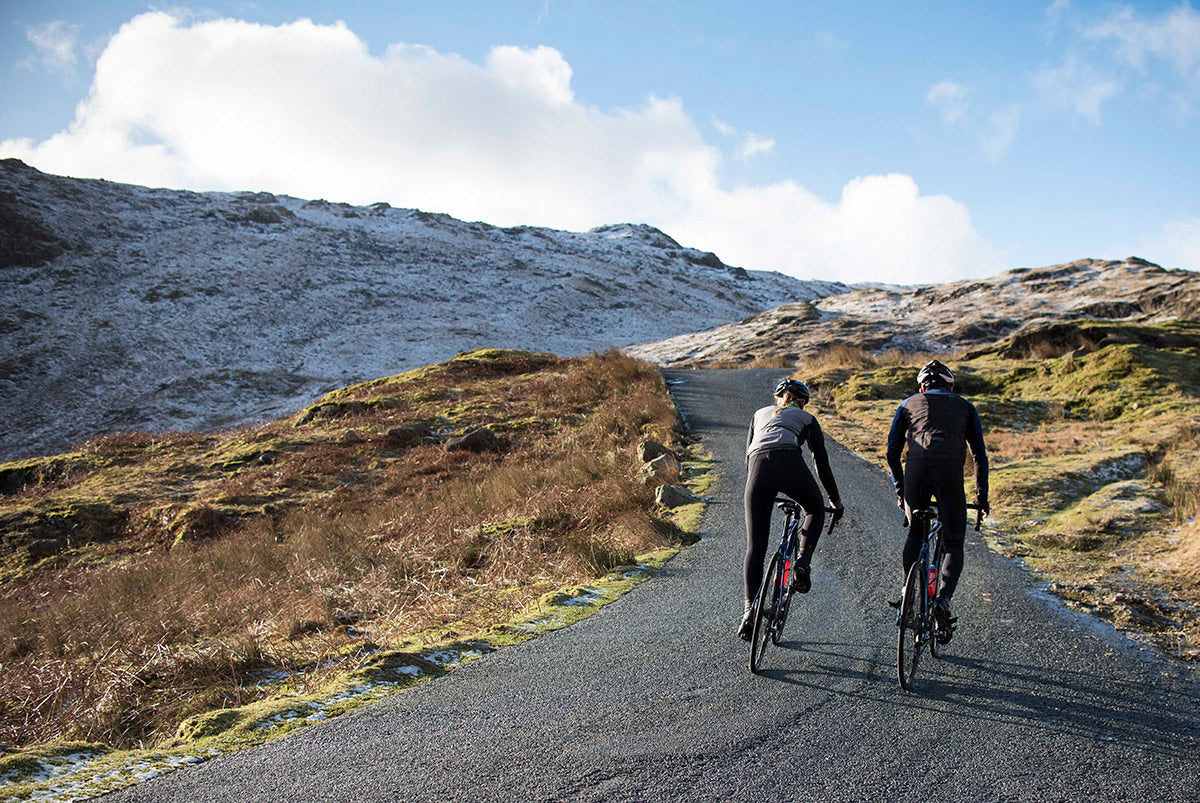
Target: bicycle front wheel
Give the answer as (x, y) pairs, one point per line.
(911, 628)
(769, 598)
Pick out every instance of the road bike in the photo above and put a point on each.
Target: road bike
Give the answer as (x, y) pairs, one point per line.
(775, 594)
(918, 626)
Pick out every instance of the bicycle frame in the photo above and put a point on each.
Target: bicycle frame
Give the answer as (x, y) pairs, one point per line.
(775, 592)
(916, 614)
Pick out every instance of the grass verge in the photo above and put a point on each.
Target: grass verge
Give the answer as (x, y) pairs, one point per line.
(203, 592)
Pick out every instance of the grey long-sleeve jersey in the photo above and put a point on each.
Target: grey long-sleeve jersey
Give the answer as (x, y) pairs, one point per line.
(790, 428)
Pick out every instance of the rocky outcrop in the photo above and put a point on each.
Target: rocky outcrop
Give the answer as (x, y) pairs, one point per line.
(409, 434)
(943, 317)
(672, 496)
(24, 239)
(477, 440)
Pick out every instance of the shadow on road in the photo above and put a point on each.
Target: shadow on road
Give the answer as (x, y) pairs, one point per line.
(1053, 700)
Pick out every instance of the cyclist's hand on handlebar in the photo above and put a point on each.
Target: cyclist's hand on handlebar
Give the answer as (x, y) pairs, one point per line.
(838, 510)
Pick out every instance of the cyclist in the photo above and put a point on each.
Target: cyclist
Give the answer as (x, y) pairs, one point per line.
(775, 464)
(938, 427)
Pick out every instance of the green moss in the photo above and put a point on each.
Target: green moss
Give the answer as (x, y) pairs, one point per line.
(892, 382)
(1114, 512)
(16, 766)
(1041, 486)
(17, 475)
(73, 520)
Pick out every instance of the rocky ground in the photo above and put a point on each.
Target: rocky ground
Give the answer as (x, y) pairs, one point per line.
(126, 307)
(941, 318)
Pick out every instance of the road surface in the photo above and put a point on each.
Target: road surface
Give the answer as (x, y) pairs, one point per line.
(651, 698)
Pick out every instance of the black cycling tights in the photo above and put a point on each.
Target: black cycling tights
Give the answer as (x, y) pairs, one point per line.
(952, 562)
(772, 473)
(923, 482)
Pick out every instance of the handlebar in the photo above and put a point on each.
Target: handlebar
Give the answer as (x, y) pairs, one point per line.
(979, 514)
(786, 503)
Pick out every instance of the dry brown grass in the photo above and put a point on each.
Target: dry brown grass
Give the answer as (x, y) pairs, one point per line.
(847, 357)
(420, 540)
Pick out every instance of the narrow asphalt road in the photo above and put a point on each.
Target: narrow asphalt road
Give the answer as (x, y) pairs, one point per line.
(651, 699)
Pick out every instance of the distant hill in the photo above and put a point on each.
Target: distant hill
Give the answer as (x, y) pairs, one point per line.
(134, 308)
(943, 317)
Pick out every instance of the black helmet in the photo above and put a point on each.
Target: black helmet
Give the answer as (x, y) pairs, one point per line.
(795, 386)
(935, 374)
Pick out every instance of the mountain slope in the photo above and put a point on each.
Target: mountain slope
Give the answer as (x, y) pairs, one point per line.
(134, 308)
(946, 316)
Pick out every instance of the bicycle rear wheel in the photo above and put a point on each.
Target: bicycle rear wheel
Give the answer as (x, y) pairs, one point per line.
(912, 627)
(769, 597)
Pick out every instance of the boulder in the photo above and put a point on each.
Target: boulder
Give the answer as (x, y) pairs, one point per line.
(664, 468)
(45, 547)
(408, 434)
(648, 450)
(477, 440)
(264, 214)
(674, 496)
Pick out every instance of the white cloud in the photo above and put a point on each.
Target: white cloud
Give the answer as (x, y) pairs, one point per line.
(753, 144)
(54, 43)
(1076, 85)
(1173, 37)
(881, 229)
(1002, 128)
(1177, 245)
(723, 127)
(950, 99)
(307, 110)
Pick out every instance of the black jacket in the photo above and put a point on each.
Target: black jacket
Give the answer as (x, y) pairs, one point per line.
(938, 426)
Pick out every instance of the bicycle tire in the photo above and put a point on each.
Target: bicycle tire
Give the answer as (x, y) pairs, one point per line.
(784, 604)
(911, 625)
(765, 611)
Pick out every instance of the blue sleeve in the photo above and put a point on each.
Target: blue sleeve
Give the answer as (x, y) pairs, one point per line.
(979, 453)
(895, 447)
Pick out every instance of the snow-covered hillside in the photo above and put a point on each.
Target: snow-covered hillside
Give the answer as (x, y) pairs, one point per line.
(133, 308)
(943, 317)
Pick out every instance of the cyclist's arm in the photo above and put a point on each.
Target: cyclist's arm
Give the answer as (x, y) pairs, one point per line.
(895, 447)
(749, 440)
(816, 442)
(979, 454)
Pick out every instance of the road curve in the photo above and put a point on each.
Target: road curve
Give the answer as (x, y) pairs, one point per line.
(650, 699)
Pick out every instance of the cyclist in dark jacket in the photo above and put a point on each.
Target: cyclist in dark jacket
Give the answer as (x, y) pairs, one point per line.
(938, 426)
(776, 465)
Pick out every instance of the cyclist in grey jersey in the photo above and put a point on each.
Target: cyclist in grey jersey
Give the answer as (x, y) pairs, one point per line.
(775, 464)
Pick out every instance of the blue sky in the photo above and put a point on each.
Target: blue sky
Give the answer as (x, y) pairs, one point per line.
(854, 141)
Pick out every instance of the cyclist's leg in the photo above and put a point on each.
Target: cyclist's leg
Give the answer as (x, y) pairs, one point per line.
(759, 498)
(917, 494)
(797, 482)
(952, 510)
